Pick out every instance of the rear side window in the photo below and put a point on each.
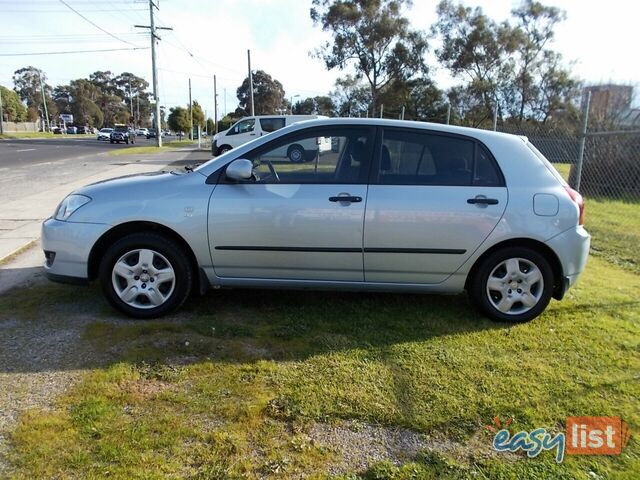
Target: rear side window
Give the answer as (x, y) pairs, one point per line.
(271, 124)
(423, 158)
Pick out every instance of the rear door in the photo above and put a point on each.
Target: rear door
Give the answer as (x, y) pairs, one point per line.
(433, 199)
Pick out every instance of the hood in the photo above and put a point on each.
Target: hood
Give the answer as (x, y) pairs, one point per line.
(136, 185)
(220, 134)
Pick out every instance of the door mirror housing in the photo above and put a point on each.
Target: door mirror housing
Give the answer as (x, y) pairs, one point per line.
(240, 170)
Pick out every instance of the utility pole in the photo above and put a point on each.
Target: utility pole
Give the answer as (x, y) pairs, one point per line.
(44, 104)
(152, 28)
(1, 114)
(448, 113)
(225, 102)
(138, 110)
(381, 110)
(215, 105)
(131, 101)
(250, 81)
(402, 114)
(190, 114)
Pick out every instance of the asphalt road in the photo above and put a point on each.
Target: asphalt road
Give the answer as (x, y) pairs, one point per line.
(20, 153)
(32, 165)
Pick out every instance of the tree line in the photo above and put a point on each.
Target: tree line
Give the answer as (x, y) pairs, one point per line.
(506, 68)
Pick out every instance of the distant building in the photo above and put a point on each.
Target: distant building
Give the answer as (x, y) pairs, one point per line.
(611, 103)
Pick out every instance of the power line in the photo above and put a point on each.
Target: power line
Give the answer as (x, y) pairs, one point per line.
(70, 51)
(95, 25)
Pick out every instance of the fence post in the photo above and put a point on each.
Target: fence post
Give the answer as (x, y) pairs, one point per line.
(583, 138)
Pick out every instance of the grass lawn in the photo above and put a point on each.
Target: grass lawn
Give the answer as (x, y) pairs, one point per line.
(240, 383)
(614, 226)
(143, 150)
(17, 135)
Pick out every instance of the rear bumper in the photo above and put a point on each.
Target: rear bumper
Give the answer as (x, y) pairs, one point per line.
(572, 247)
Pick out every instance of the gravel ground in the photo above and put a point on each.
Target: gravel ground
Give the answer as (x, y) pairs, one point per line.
(38, 361)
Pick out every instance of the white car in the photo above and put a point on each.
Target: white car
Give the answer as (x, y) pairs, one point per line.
(250, 128)
(104, 134)
(142, 132)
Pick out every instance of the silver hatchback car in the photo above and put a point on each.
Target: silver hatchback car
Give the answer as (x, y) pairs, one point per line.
(376, 205)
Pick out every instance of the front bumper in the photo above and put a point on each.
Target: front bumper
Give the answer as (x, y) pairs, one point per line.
(68, 246)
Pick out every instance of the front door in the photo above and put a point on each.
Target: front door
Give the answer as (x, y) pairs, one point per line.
(298, 221)
(433, 200)
(241, 133)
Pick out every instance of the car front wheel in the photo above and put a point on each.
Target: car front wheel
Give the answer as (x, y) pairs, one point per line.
(514, 284)
(145, 275)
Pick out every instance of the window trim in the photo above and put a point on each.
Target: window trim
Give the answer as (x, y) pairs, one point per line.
(283, 140)
(374, 170)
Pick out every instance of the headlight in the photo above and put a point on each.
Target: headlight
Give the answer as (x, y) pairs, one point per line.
(70, 205)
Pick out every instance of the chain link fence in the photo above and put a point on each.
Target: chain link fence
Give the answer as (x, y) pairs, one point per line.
(603, 164)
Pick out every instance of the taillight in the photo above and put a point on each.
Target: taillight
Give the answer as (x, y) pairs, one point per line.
(579, 201)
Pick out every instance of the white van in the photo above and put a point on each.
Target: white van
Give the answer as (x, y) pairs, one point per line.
(249, 128)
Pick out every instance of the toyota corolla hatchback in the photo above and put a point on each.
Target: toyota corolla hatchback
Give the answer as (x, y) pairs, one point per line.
(376, 205)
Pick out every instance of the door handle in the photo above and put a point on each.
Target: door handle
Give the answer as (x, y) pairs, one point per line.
(482, 201)
(345, 198)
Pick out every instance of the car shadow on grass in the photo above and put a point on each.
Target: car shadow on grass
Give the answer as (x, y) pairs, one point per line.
(225, 325)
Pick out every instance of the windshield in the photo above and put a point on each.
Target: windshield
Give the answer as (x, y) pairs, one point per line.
(121, 129)
(107, 130)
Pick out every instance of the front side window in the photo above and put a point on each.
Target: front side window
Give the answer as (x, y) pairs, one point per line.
(243, 126)
(271, 124)
(424, 158)
(321, 155)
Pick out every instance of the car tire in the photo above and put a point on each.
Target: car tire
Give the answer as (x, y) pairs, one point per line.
(513, 285)
(127, 140)
(223, 149)
(145, 275)
(296, 154)
(110, 141)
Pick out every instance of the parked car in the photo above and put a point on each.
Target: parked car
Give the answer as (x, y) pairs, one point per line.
(83, 130)
(142, 132)
(249, 128)
(122, 133)
(56, 130)
(104, 134)
(152, 133)
(400, 206)
(72, 130)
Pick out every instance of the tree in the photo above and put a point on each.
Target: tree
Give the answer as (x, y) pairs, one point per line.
(320, 105)
(372, 37)
(178, 119)
(13, 109)
(420, 97)
(29, 83)
(534, 29)
(198, 114)
(268, 95)
(479, 50)
(351, 97)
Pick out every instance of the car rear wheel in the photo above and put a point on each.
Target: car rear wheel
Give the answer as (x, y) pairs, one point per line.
(514, 285)
(145, 275)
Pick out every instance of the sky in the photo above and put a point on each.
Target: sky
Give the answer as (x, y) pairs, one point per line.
(212, 37)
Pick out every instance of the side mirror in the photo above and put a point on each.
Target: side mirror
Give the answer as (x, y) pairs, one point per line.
(240, 169)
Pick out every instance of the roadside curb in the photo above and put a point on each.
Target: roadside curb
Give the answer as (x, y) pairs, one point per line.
(27, 246)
